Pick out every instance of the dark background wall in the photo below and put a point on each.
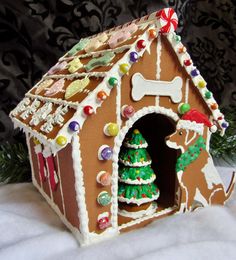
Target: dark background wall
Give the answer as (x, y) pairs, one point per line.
(35, 33)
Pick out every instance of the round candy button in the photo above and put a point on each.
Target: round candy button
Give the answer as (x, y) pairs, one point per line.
(104, 198)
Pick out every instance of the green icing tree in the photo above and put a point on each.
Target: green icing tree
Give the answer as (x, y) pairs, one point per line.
(136, 177)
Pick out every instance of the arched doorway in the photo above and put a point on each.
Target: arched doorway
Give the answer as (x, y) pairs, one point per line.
(155, 125)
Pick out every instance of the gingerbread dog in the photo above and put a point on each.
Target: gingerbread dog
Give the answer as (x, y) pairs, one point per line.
(199, 182)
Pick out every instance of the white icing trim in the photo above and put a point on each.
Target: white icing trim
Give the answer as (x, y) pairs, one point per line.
(158, 214)
(139, 201)
(190, 125)
(186, 90)
(138, 214)
(60, 184)
(118, 143)
(136, 164)
(136, 146)
(78, 75)
(79, 188)
(158, 62)
(138, 182)
(188, 141)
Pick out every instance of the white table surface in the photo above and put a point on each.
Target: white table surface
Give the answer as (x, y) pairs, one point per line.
(29, 229)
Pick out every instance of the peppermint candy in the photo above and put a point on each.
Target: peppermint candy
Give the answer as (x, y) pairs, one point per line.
(168, 20)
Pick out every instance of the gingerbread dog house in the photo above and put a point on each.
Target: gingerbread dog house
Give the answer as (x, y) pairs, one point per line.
(118, 126)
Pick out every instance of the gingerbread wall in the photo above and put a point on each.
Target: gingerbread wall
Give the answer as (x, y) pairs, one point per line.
(64, 197)
(92, 136)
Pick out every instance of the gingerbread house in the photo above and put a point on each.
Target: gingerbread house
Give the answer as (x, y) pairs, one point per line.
(116, 125)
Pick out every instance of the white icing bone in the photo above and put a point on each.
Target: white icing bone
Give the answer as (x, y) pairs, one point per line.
(142, 87)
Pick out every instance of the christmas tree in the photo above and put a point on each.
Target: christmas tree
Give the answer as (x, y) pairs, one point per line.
(136, 177)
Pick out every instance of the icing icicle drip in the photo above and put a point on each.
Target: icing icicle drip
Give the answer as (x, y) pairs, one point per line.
(191, 154)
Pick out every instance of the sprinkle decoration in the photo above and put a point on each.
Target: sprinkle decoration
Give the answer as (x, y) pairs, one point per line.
(88, 110)
(214, 106)
(104, 198)
(152, 33)
(105, 153)
(133, 56)
(168, 20)
(113, 81)
(61, 140)
(187, 62)
(74, 126)
(201, 84)
(111, 129)
(103, 223)
(194, 73)
(101, 95)
(141, 44)
(104, 178)
(208, 95)
(127, 111)
(124, 68)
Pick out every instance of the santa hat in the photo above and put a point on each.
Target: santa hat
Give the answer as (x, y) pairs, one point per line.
(194, 120)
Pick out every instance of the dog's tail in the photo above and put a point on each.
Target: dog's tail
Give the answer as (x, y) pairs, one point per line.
(231, 187)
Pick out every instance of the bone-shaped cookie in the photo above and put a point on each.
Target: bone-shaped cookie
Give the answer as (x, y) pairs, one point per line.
(143, 87)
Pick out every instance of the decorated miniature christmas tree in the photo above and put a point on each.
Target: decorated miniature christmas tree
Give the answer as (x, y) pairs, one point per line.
(136, 177)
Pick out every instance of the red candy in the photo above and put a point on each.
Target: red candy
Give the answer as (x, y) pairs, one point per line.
(103, 222)
(141, 44)
(187, 62)
(88, 110)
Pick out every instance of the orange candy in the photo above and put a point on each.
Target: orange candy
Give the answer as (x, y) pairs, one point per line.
(152, 33)
(214, 106)
(101, 95)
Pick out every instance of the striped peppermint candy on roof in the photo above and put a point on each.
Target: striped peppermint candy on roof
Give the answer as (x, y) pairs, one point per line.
(168, 20)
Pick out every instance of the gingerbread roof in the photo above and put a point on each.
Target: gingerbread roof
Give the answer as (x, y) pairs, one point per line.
(84, 77)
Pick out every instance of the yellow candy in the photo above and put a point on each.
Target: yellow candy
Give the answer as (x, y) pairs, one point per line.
(201, 84)
(113, 129)
(61, 140)
(136, 131)
(124, 68)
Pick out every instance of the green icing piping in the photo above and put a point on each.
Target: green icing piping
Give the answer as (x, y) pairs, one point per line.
(137, 191)
(134, 155)
(135, 138)
(191, 154)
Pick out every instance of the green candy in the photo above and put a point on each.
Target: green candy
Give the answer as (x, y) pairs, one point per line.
(184, 108)
(78, 47)
(177, 38)
(191, 154)
(113, 81)
(208, 95)
(100, 61)
(104, 198)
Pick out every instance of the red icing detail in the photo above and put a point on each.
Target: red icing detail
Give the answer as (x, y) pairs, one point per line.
(168, 20)
(41, 164)
(195, 116)
(52, 172)
(88, 110)
(141, 44)
(187, 62)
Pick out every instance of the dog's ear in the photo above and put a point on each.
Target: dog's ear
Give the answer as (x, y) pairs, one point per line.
(190, 136)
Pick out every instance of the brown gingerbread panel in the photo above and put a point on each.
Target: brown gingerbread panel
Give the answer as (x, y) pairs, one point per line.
(91, 138)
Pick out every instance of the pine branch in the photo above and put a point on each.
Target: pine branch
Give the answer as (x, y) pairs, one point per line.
(14, 163)
(224, 147)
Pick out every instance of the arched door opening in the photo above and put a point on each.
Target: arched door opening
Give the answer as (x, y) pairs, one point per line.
(154, 128)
